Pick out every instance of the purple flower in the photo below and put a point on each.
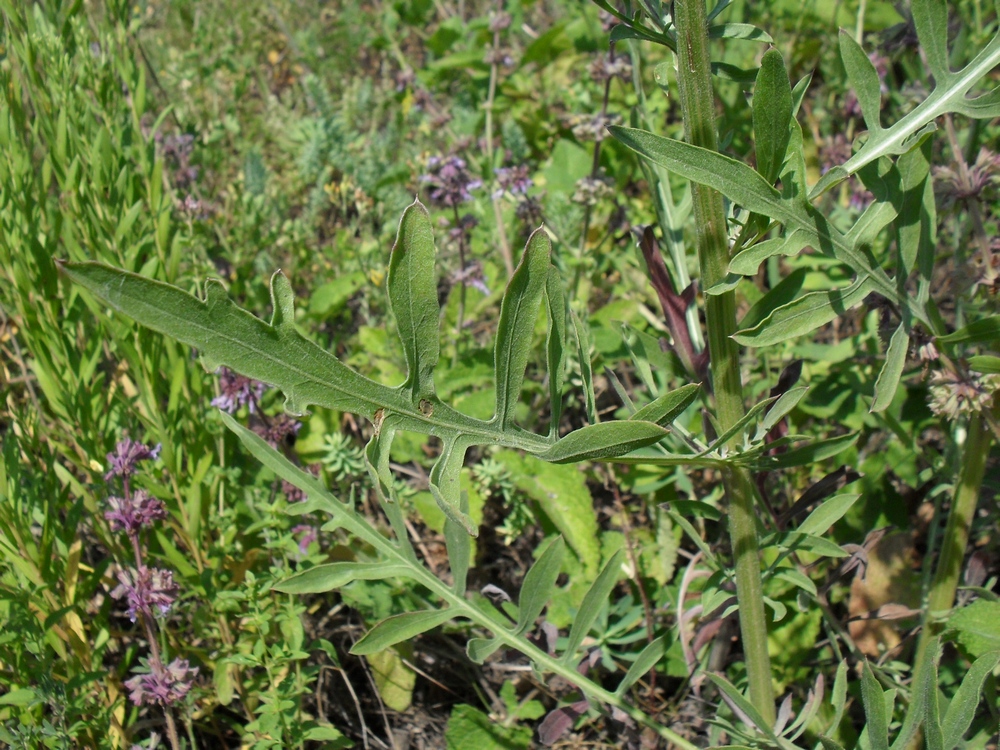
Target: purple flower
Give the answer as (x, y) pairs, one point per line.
(309, 535)
(127, 454)
(162, 685)
(450, 181)
(146, 588)
(513, 180)
(237, 390)
(134, 512)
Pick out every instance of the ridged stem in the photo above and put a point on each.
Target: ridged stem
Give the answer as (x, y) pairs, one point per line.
(698, 106)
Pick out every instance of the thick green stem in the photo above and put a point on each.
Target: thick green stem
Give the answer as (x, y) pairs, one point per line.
(698, 105)
(956, 536)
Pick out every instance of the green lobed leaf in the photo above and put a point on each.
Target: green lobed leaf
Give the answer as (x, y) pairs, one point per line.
(648, 658)
(874, 703)
(516, 328)
(892, 370)
(772, 112)
(962, 709)
(277, 354)
(399, 628)
(664, 409)
(335, 575)
(603, 441)
(595, 598)
(413, 300)
(539, 584)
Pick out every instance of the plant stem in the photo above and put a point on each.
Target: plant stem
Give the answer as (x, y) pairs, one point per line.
(698, 106)
(956, 536)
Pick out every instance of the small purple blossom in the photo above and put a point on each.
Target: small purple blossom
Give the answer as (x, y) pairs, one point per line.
(309, 535)
(146, 588)
(237, 390)
(162, 685)
(127, 454)
(513, 180)
(134, 512)
(450, 181)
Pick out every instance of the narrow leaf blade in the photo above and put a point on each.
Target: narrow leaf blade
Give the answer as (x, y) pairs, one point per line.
(874, 703)
(332, 576)
(648, 658)
(892, 370)
(594, 599)
(772, 113)
(538, 584)
(399, 628)
(413, 299)
(602, 441)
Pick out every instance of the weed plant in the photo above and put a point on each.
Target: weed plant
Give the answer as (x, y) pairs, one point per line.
(737, 486)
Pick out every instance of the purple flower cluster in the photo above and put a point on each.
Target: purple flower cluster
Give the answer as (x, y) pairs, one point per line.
(177, 152)
(450, 181)
(513, 180)
(237, 390)
(162, 685)
(144, 589)
(133, 512)
(126, 456)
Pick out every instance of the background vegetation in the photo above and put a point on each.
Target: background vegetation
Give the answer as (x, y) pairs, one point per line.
(189, 140)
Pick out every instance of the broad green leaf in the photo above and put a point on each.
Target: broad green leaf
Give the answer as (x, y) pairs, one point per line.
(412, 289)
(471, 729)
(516, 328)
(892, 370)
(399, 628)
(863, 79)
(394, 680)
(982, 331)
(772, 111)
(335, 575)
(595, 598)
(875, 713)
(977, 627)
(962, 709)
(804, 315)
(538, 585)
(561, 493)
(603, 441)
(666, 408)
(648, 658)
(827, 514)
